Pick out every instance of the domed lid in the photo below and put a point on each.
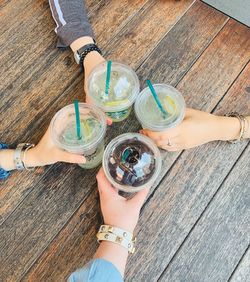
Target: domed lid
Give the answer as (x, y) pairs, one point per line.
(132, 162)
(123, 89)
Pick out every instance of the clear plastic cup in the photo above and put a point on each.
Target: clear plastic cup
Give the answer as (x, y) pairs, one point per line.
(123, 90)
(150, 116)
(132, 162)
(93, 129)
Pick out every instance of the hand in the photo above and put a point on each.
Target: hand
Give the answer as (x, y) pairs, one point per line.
(118, 211)
(91, 61)
(196, 129)
(46, 152)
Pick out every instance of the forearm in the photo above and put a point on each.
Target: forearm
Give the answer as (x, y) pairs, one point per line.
(71, 20)
(7, 159)
(113, 253)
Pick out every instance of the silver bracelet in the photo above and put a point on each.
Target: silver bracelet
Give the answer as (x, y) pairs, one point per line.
(24, 155)
(18, 155)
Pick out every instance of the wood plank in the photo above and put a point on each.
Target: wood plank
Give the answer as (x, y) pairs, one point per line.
(184, 194)
(62, 250)
(143, 32)
(221, 236)
(113, 15)
(183, 45)
(207, 89)
(242, 272)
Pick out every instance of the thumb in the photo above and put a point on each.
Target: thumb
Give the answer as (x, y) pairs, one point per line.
(151, 134)
(139, 198)
(104, 186)
(72, 158)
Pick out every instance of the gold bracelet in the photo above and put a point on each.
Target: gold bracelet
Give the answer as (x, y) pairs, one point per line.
(243, 126)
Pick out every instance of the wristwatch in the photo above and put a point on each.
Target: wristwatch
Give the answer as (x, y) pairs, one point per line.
(81, 53)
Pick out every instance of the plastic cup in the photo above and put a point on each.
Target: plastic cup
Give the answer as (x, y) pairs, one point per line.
(150, 116)
(123, 90)
(132, 162)
(93, 129)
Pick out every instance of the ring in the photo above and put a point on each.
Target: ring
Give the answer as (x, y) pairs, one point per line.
(169, 143)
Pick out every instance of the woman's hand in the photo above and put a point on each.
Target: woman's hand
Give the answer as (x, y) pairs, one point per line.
(118, 211)
(46, 153)
(196, 129)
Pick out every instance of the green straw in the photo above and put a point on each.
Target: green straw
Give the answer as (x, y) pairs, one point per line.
(156, 98)
(78, 124)
(109, 63)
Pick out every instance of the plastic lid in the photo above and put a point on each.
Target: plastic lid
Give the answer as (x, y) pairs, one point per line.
(132, 162)
(93, 128)
(123, 90)
(150, 115)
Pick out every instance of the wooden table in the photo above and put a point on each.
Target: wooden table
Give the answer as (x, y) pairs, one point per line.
(195, 225)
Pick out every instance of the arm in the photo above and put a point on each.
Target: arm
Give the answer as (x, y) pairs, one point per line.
(198, 128)
(73, 29)
(118, 212)
(71, 21)
(44, 153)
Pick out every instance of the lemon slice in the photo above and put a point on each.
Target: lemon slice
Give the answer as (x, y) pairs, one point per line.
(169, 105)
(86, 129)
(116, 103)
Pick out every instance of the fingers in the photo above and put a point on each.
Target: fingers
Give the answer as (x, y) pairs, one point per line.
(71, 158)
(151, 134)
(168, 140)
(104, 187)
(139, 198)
(109, 120)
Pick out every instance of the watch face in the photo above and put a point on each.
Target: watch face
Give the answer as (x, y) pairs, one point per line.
(77, 57)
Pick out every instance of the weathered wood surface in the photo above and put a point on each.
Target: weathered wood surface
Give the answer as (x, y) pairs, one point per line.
(63, 86)
(37, 80)
(62, 254)
(192, 54)
(54, 213)
(220, 237)
(184, 193)
(30, 87)
(242, 272)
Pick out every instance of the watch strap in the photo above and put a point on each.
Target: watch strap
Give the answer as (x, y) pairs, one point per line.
(117, 236)
(117, 240)
(85, 50)
(117, 231)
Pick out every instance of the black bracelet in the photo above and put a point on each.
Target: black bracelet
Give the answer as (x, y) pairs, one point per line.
(85, 50)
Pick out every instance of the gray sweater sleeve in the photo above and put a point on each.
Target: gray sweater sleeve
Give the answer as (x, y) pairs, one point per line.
(71, 20)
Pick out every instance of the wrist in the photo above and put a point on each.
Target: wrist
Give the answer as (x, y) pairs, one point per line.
(7, 159)
(31, 158)
(228, 128)
(80, 42)
(91, 60)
